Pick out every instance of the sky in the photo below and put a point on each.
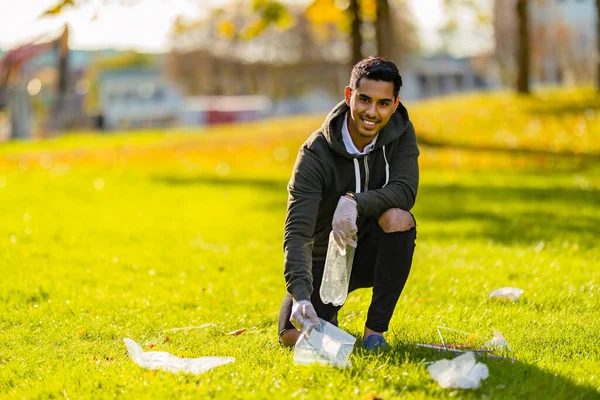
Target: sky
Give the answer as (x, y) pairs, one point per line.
(143, 27)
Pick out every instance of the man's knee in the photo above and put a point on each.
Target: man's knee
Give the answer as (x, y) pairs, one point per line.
(396, 220)
(289, 337)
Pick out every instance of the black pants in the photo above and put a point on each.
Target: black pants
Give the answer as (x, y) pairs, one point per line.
(381, 261)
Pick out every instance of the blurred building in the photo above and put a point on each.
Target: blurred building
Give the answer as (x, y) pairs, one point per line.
(441, 75)
(562, 37)
(209, 110)
(136, 98)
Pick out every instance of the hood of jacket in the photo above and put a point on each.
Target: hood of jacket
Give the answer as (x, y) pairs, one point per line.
(397, 125)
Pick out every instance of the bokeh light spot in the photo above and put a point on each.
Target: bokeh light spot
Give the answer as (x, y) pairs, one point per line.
(590, 115)
(281, 153)
(34, 87)
(223, 169)
(99, 184)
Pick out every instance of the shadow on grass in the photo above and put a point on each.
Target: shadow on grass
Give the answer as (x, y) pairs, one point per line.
(226, 182)
(511, 215)
(563, 107)
(545, 159)
(507, 379)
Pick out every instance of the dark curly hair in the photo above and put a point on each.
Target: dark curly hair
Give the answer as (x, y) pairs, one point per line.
(378, 69)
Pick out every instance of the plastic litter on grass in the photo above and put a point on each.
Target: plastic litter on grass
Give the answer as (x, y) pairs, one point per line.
(506, 294)
(326, 344)
(498, 343)
(168, 362)
(462, 372)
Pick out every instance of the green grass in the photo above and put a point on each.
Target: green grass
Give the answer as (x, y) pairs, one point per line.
(132, 235)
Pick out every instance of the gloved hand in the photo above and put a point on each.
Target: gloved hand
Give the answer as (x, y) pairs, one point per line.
(304, 317)
(344, 223)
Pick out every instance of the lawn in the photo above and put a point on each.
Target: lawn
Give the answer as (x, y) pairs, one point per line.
(134, 235)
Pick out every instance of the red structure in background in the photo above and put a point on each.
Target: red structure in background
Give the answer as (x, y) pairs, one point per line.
(211, 110)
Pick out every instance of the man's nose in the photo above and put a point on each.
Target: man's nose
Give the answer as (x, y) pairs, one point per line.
(371, 110)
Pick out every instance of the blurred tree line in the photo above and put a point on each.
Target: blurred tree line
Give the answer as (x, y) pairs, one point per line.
(280, 48)
(286, 49)
(317, 33)
(530, 43)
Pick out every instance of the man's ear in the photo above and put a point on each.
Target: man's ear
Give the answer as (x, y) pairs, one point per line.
(347, 94)
(397, 102)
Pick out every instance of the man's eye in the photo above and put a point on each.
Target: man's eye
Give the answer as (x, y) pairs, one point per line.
(384, 104)
(363, 100)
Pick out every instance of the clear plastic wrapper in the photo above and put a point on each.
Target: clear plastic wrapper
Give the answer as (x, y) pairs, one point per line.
(498, 342)
(336, 274)
(325, 344)
(506, 294)
(462, 372)
(168, 362)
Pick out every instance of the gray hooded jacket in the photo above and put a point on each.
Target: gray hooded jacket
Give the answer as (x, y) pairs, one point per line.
(324, 171)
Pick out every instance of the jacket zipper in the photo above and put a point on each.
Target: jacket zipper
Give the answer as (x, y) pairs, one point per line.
(366, 160)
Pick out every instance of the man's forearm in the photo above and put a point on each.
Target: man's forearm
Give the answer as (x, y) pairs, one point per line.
(297, 268)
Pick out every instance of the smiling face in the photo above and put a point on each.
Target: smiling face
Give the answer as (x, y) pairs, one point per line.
(371, 104)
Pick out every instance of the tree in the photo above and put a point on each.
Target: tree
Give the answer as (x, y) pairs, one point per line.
(383, 29)
(393, 32)
(523, 54)
(598, 44)
(379, 13)
(355, 34)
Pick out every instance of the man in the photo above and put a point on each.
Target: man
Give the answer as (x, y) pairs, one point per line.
(357, 175)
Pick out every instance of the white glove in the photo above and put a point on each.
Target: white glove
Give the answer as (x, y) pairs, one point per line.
(304, 317)
(344, 223)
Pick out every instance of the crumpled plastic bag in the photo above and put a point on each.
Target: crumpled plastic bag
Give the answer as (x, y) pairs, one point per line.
(168, 362)
(506, 294)
(499, 342)
(326, 344)
(463, 372)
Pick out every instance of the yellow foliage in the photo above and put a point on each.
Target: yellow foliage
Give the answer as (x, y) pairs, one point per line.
(368, 10)
(323, 12)
(227, 29)
(254, 29)
(57, 9)
(285, 21)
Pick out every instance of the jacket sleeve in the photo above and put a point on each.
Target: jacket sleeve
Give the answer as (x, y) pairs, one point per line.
(305, 190)
(401, 190)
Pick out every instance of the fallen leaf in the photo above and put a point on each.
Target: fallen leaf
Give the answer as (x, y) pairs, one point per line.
(237, 332)
(151, 346)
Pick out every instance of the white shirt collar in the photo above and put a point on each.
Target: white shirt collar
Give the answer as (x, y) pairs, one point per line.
(350, 147)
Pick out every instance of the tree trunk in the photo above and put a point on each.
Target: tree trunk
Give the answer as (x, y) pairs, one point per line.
(383, 29)
(62, 47)
(523, 52)
(598, 44)
(355, 31)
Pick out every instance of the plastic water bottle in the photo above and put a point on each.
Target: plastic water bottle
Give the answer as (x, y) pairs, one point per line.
(336, 275)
